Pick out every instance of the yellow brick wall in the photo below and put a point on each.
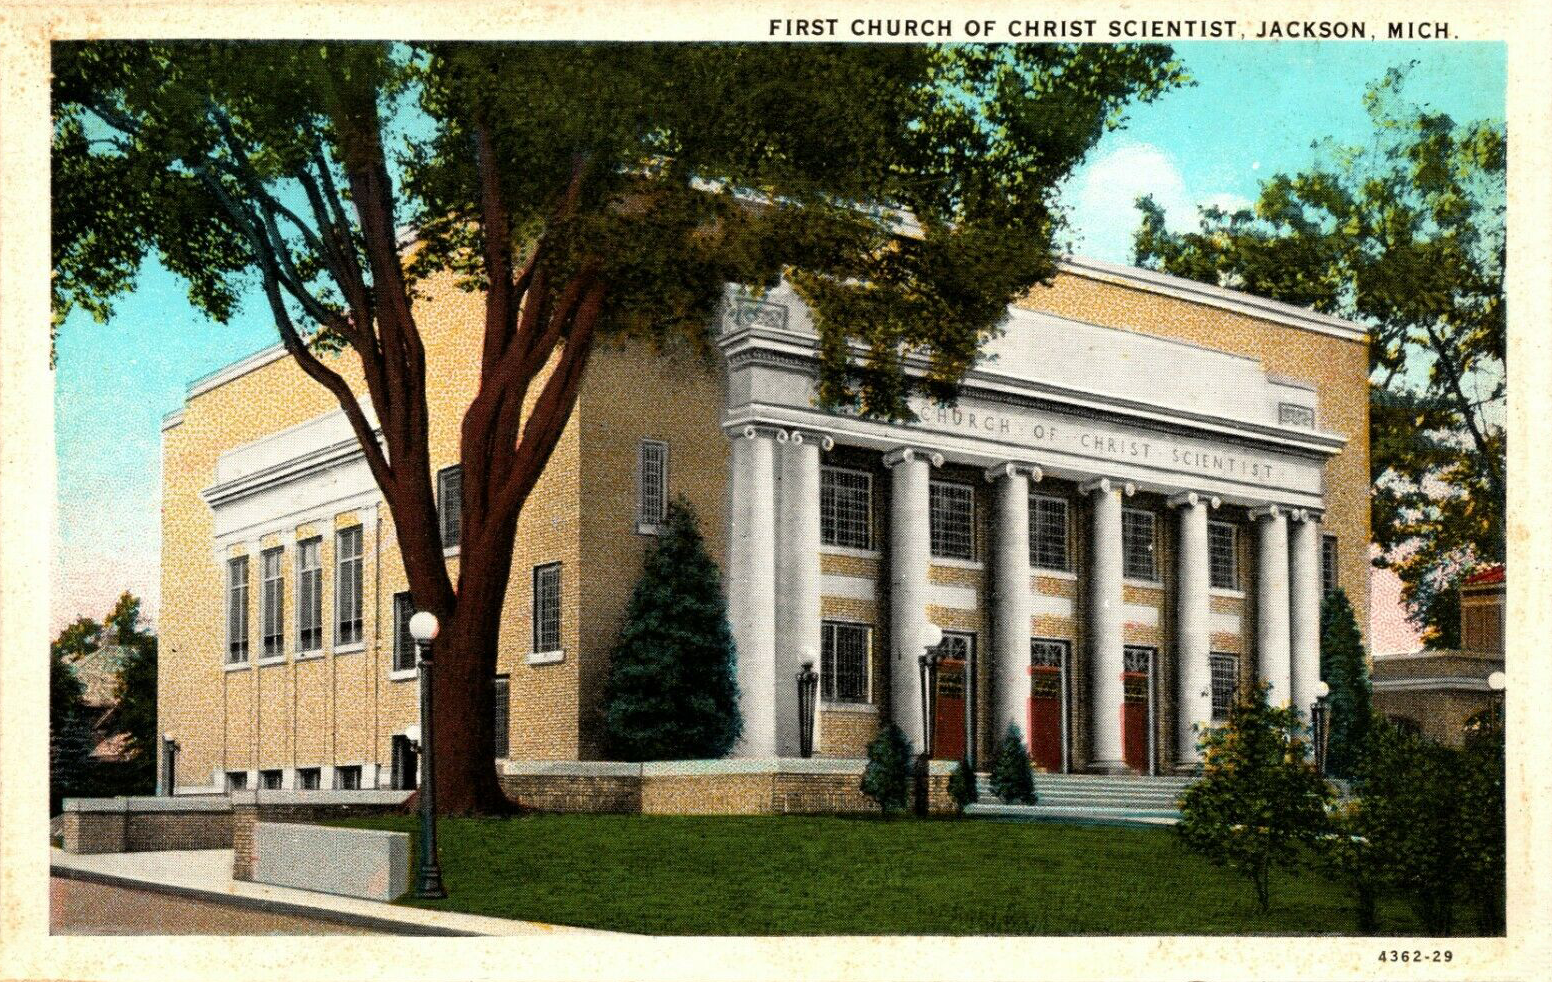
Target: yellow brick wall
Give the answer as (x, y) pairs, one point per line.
(1336, 367)
(341, 708)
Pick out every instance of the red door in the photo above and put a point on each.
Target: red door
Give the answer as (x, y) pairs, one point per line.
(1137, 709)
(948, 739)
(1045, 718)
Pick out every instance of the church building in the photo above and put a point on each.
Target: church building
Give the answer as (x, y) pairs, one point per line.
(1130, 516)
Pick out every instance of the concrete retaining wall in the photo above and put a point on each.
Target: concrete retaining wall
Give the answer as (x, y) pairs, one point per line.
(249, 808)
(101, 825)
(351, 862)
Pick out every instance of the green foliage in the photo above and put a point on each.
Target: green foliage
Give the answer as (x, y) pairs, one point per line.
(1433, 820)
(136, 695)
(1407, 236)
(70, 732)
(672, 692)
(696, 165)
(887, 778)
(961, 786)
(1012, 778)
(1259, 800)
(1345, 668)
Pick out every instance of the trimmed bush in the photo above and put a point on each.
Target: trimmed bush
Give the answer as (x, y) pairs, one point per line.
(887, 779)
(1012, 778)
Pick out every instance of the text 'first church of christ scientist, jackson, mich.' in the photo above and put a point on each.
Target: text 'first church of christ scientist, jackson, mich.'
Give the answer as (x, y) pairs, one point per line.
(1130, 516)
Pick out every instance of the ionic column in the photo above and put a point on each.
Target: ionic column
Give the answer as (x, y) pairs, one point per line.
(1272, 641)
(1304, 613)
(910, 550)
(1106, 660)
(1012, 605)
(797, 580)
(752, 584)
(1193, 624)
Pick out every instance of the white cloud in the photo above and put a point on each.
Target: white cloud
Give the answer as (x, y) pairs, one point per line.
(1102, 196)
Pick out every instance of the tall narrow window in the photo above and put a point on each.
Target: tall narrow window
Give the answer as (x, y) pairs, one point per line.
(845, 662)
(1225, 683)
(1047, 532)
(309, 595)
(450, 505)
(951, 520)
(347, 586)
(1328, 564)
(651, 485)
(501, 712)
(237, 610)
(271, 602)
(1222, 555)
(845, 508)
(546, 608)
(1138, 546)
(403, 641)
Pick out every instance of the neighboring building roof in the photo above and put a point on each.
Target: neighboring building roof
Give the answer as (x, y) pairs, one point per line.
(1484, 577)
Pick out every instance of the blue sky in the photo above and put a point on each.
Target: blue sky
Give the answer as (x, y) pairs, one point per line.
(1255, 110)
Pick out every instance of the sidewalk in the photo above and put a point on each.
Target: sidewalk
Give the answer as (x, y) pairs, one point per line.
(207, 875)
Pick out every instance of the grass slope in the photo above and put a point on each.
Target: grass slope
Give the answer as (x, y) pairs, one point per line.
(787, 875)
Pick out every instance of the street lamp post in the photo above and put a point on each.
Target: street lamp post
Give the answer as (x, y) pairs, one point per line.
(1497, 683)
(169, 764)
(927, 662)
(1320, 724)
(808, 690)
(428, 876)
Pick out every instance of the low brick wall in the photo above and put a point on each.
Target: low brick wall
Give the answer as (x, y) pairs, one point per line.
(298, 807)
(102, 825)
(817, 786)
(595, 787)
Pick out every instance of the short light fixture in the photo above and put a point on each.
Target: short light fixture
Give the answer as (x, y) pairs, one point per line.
(1497, 681)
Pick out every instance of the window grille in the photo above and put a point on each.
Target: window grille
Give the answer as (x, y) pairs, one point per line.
(1138, 546)
(271, 603)
(1047, 654)
(403, 641)
(957, 646)
(845, 508)
(546, 608)
(1137, 659)
(309, 595)
(237, 610)
(450, 504)
(1328, 563)
(952, 520)
(1047, 532)
(501, 713)
(1222, 555)
(651, 485)
(1225, 683)
(845, 660)
(347, 586)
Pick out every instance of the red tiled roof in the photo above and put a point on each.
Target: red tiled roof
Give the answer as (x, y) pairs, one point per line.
(1492, 574)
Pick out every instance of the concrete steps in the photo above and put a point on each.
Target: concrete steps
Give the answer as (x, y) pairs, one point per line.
(1090, 798)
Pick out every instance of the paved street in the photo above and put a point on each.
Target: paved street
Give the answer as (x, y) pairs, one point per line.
(78, 907)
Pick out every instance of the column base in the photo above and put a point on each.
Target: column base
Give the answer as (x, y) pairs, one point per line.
(1187, 770)
(1109, 767)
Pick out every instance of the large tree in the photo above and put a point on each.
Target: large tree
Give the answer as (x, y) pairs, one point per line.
(1405, 235)
(585, 191)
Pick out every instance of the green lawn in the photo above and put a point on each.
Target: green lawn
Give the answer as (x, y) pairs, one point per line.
(786, 875)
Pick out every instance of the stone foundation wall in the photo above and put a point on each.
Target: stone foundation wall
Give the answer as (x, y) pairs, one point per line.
(102, 825)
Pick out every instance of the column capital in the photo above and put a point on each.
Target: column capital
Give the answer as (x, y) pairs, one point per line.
(1012, 468)
(1306, 514)
(799, 437)
(904, 454)
(1270, 510)
(750, 431)
(1106, 485)
(1194, 498)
